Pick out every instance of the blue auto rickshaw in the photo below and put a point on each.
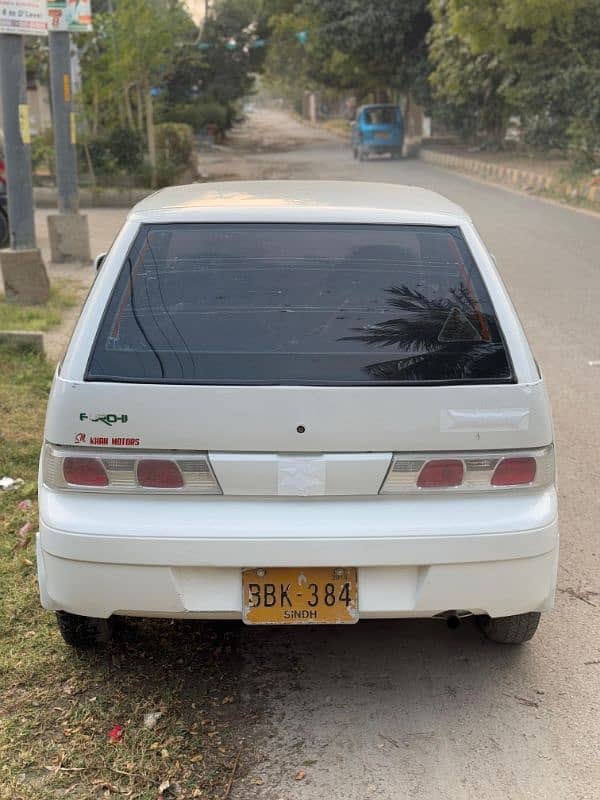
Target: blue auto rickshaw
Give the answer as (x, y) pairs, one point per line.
(378, 129)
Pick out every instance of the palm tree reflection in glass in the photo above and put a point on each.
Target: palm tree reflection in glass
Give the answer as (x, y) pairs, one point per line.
(442, 339)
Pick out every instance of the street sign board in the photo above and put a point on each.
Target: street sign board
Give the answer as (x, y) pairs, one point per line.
(23, 17)
(74, 16)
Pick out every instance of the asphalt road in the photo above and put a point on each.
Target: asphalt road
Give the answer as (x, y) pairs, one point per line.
(403, 709)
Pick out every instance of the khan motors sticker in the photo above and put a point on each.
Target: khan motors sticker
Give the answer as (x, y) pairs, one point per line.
(108, 441)
(107, 419)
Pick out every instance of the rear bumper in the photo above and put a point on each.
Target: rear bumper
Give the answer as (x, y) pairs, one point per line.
(446, 557)
(382, 147)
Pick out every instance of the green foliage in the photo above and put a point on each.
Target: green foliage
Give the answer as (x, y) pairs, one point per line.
(383, 43)
(359, 45)
(199, 114)
(42, 152)
(175, 148)
(175, 142)
(538, 59)
(119, 151)
(467, 85)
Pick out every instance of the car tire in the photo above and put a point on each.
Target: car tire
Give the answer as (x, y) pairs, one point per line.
(83, 633)
(354, 153)
(510, 630)
(4, 231)
(361, 154)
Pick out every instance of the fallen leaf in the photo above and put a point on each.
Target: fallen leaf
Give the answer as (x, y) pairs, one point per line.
(257, 781)
(24, 505)
(151, 718)
(24, 536)
(300, 775)
(227, 700)
(163, 787)
(115, 734)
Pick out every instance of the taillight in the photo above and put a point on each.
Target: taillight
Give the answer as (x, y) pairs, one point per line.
(75, 469)
(84, 472)
(158, 473)
(441, 474)
(515, 472)
(469, 472)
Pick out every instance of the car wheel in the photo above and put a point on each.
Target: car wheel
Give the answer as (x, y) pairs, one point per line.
(3, 229)
(354, 153)
(83, 633)
(510, 630)
(361, 154)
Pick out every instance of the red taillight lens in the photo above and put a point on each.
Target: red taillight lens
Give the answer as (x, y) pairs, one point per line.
(441, 473)
(84, 472)
(514, 472)
(158, 473)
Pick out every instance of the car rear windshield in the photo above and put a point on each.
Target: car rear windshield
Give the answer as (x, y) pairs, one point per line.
(299, 304)
(381, 115)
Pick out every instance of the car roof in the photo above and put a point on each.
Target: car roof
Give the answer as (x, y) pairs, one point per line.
(297, 201)
(377, 105)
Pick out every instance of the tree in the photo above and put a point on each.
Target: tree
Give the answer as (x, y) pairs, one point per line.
(135, 45)
(363, 45)
(385, 41)
(538, 59)
(148, 35)
(467, 85)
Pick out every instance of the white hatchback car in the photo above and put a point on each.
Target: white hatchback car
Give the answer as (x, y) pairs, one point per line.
(298, 402)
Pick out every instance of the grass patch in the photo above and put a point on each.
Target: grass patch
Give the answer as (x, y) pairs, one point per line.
(64, 294)
(57, 706)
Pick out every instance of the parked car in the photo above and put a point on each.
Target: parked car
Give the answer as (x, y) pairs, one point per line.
(378, 130)
(4, 230)
(298, 402)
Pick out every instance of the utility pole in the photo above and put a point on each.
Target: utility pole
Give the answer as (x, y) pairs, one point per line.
(23, 270)
(68, 230)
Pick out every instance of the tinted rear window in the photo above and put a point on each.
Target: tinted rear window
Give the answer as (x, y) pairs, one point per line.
(381, 115)
(299, 304)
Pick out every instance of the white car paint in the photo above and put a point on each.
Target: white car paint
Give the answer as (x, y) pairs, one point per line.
(293, 499)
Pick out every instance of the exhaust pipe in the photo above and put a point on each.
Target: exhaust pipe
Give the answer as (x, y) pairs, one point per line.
(454, 617)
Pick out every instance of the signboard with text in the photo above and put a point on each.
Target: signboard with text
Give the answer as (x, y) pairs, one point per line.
(23, 17)
(74, 16)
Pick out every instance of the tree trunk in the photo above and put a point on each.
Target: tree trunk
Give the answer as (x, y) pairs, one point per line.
(128, 109)
(95, 112)
(150, 133)
(140, 107)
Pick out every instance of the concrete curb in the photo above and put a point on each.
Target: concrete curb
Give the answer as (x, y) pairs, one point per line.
(519, 178)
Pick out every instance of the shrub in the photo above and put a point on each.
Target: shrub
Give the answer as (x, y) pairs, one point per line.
(174, 143)
(198, 115)
(42, 152)
(126, 147)
(174, 151)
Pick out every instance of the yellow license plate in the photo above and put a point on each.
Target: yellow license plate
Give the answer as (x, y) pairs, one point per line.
(300, 596)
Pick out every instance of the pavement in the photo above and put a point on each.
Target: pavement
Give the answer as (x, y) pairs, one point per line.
(411, 709)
